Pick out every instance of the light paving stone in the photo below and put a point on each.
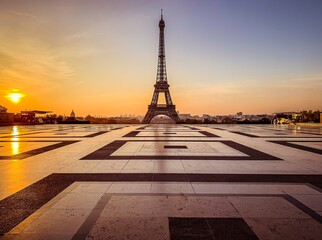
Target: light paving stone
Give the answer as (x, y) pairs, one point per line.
(168, 166)
(130, 228)
(201, 207)
(91, 187)
(164, 187)
(266, 207)
(139, 166)
(214, 188)
(109, 166)
(121, 187)
(77, 200)
(136, 206)
(286, 228)
(198, 166)
(296, 189)
(58, 221)
(253, 188)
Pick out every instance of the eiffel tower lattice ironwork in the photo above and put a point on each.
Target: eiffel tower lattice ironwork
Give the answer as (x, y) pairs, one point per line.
(161, 86)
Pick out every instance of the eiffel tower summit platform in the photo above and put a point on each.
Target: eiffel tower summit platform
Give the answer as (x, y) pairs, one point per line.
(161, 86)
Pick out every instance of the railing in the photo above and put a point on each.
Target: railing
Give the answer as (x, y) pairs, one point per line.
(161, 105)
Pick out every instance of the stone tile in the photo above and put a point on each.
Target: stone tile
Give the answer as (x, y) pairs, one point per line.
(312, 201)
(198, 166)
(296, 189)
(197, 206)
(266, 207)
(214, 188)
(136, 206)
(285, 228)
(168, 166)
(130, 228)
(178, 188)
(129, 188)
(252, 188)
(91, 187)
(109, 166)
(139, 166)
(77, 200)
(58, 221)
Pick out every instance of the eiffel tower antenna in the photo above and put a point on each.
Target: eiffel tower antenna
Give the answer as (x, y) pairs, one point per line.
(161, 85)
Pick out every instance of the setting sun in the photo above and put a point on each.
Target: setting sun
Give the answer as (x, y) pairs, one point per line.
(15, 97)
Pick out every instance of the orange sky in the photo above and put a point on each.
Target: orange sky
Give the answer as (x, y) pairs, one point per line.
(101, 59)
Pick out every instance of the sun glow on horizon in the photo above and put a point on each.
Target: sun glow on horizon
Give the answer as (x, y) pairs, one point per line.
(15, 97)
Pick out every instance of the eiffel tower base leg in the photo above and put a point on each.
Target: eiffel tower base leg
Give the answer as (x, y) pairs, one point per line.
(155, 111)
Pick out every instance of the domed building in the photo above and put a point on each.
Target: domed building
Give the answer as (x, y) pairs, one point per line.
(72, 115)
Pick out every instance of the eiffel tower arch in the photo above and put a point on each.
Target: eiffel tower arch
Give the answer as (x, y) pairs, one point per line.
(161, 86)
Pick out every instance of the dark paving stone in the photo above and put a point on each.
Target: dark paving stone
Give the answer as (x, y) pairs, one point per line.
(142, 128)
(219, 128)
(230, 229)
(161, 177)
(192, 128)
(105, 151)
(176, 146)
(189, 229)
(37, 151)
(96, 134)
(305, 148)
(208, 134)
(132, 134)
(245, 134)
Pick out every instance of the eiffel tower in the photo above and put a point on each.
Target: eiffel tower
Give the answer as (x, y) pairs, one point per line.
(161, 86)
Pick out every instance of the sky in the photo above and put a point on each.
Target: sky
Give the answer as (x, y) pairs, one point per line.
(99, 57)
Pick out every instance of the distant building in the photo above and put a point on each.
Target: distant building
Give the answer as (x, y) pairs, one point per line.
(72, 114)
(3, 109)
(29, 117)
(72, 119)
(5, 118)
(184, 116)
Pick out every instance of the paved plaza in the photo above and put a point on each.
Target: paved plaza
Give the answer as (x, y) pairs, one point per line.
(160, 182)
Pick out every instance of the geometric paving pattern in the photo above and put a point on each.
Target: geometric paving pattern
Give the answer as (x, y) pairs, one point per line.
(202, 150)
(160, 182)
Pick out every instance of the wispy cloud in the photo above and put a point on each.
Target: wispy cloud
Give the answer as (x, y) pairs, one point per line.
(23, 14)
(302, 83)
(33, 66)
